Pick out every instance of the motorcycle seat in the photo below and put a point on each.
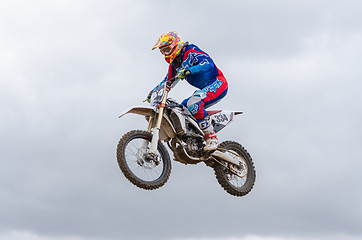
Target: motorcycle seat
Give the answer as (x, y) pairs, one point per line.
(213, 112)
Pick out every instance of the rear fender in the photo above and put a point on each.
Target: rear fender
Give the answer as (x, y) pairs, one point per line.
(222, 118)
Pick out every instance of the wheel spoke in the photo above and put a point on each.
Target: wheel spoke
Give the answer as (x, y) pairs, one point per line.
(233, 178)
(147, 171)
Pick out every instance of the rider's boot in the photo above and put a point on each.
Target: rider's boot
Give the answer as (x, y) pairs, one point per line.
(210, 135)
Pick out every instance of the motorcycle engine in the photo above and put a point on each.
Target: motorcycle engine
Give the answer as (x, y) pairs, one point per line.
(193, 146)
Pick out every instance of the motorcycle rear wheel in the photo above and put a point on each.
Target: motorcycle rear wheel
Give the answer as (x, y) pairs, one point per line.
(131, 156)
(233, 184)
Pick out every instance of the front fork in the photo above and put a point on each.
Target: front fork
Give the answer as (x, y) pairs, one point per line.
(156, 128)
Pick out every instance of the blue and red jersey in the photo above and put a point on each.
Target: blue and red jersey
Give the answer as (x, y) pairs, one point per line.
(202, 67)
(204, 75)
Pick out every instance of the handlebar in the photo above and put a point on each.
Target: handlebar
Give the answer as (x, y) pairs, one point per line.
(172, 82)
(169, 84)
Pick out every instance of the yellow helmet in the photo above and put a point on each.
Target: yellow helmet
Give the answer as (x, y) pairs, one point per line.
(170, 45)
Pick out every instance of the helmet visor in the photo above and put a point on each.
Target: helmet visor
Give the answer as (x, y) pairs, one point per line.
(166, 50)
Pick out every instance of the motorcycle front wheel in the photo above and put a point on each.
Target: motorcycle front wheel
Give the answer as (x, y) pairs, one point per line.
(142, 171)
(241, 184)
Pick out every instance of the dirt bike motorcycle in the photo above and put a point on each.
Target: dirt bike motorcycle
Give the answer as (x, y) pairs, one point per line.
(145, 161)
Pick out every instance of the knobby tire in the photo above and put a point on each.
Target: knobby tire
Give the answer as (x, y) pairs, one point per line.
(148, 185)
(222, 173)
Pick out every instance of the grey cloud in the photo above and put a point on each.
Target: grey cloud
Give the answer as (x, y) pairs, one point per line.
(69, 69)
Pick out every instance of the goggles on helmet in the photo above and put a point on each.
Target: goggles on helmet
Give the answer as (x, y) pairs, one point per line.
(166, 50)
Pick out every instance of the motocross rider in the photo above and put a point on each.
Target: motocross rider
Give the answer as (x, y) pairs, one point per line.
(189, 62)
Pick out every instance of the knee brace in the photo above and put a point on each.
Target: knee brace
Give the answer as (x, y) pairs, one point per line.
(194, 101)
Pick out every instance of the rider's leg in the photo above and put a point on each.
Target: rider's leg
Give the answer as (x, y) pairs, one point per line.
(195, 105)
(202, 99)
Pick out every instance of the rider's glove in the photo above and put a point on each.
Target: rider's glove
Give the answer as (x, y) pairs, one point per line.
(148, 99)
(183, 73)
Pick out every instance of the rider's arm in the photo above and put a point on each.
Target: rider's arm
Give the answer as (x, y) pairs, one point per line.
(171, 72)
(203, 63)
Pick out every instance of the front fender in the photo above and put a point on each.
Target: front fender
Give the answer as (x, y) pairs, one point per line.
(144, 111)
(167, 131)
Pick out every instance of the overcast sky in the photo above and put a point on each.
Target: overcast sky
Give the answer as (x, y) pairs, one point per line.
(69, 68)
